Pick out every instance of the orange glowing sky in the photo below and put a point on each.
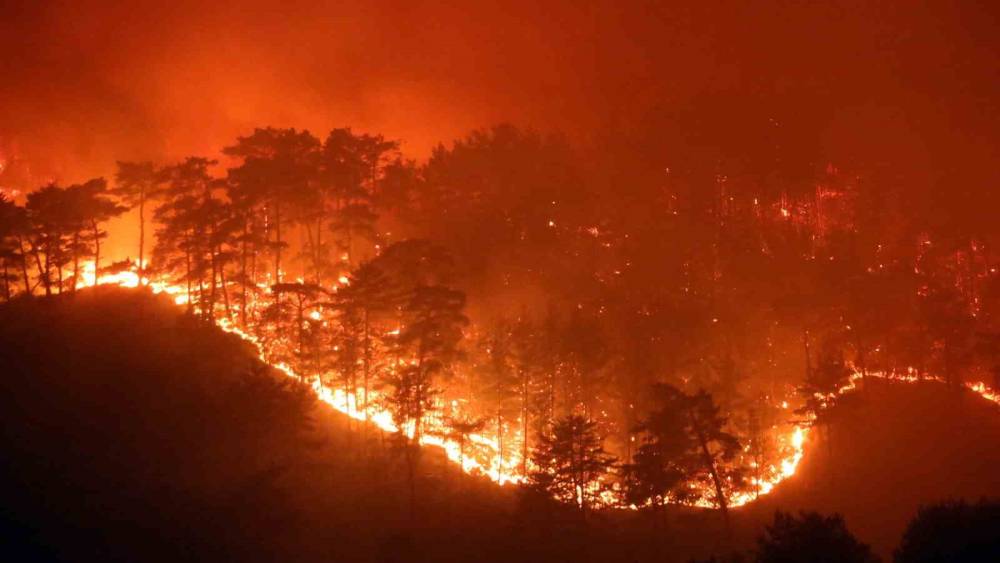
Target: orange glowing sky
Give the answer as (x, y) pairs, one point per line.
(85, 83)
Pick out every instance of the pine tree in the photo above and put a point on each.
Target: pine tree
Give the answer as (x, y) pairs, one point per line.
(570, 461)
(135, 184)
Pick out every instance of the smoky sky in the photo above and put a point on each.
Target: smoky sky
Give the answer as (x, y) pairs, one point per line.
(85, 83)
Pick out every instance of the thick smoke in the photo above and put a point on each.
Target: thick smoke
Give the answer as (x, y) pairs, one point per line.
(85, 83)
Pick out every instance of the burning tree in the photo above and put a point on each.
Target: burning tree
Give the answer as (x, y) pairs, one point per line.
(460, 428)
(277, 169)
(497, 382)
(429, 339)
(570, 462)
(290, 317)
(196, 231)
(363, 305)
(352, 168)
(14, 227)
(135, 184)
(66, 226)
(685, 447)
(656, 475)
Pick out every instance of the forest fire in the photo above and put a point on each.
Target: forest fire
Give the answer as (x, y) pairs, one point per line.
(380, 332)
(500, 471)
(499, 281)
(508, 469)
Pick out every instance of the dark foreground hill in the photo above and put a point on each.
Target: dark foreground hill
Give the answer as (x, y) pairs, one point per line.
(130, 431)
(894, 447)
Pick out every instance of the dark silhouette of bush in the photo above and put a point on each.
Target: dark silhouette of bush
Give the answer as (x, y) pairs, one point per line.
(810, 537)
(952, 531)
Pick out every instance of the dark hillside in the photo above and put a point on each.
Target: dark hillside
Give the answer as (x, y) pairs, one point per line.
(133, 432)
(167, 450)
(894, 448)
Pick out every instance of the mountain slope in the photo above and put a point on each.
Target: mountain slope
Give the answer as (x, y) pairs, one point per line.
(893, 447)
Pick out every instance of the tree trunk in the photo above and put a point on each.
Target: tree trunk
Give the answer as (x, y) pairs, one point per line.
(59, 271)
(142, 234)
(201, 288)
(187, 278)
(97, 250)
(76, 262)
(243, 275)
(499, 440)
(43, 273)
(277, 246)
(300, 317)
(524, 426)
(225, 290)
(215, 273)
(319, 251)
(366, 374)
(24, 266)
(709, 461)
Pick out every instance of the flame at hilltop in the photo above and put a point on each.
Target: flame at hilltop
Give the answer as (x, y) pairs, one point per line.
(481, 456)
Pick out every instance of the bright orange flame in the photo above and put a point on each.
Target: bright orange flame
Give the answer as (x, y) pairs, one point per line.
(506, 469)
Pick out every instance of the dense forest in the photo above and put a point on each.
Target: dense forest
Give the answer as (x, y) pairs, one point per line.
(614, 330)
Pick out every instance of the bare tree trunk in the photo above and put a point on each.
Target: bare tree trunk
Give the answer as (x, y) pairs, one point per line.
(201, 288)
(243, 276)
(97, 250)
(142, 233)
(714, 472)
(300, 316)
(215, 273)
(524, 425)
(225, 290)
(24, 266)
(277, 238)
(76, 262)
(187, 278)
(43, 273)
(319, 251)
(366, 375)
(499, 439)
(59, 271)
